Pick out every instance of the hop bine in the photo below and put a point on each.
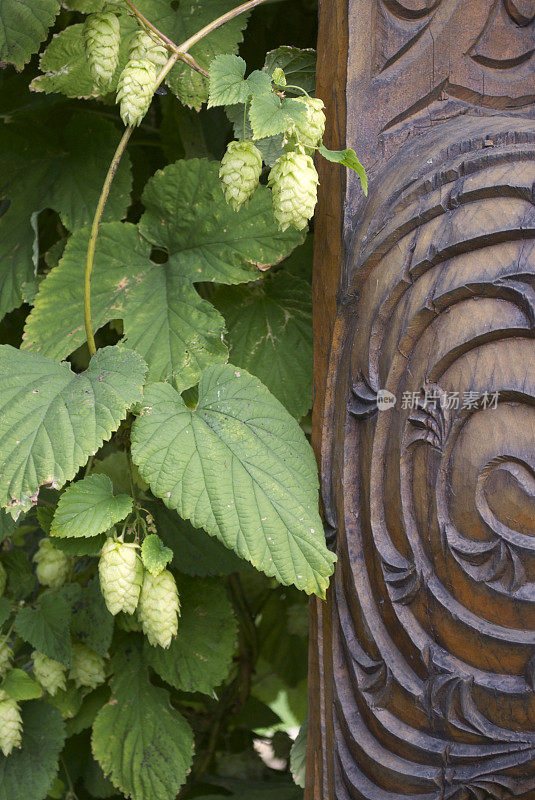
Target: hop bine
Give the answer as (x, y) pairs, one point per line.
(239, 172)
(87, 667)
(10, 724)
(53, 566)
(102, 39)
(137, 83)
(294, 182)
(159, 607)
(121, 575)
(308, 132)
(49, 673)
(143, 46)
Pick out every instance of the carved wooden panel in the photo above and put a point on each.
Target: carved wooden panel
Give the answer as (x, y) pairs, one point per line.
(423, 658)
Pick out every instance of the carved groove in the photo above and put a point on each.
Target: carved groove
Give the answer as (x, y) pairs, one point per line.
(434, 603)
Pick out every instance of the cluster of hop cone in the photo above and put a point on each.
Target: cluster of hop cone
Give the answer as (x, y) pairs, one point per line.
(293, 179)
(142, 598)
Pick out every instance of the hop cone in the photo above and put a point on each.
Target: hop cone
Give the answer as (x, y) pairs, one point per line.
(144, 46)
(3, 580)
(159, 608)
(52, 565)
(5, 657)
(102, 39)
(309, 132)
(87, 667)
(239, 172)
(49, 673)
(135, 90)
(294, 182)
(121, 575)
(10, 724)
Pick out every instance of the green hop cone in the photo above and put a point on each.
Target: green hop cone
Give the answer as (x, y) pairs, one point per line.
(5, 657)
(144, 46)
(53, 566)
(87, 667)
(3, 579)
(308, 133)
(10, 724)
(294, 182)
(136, 87)
(102, 38)
(49, 673)
(239, 172)
(159, 607)
(121, 575)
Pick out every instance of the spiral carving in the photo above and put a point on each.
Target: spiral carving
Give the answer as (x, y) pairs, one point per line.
(434, 608)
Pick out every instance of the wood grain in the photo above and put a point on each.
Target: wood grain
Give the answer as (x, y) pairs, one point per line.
(423, 657)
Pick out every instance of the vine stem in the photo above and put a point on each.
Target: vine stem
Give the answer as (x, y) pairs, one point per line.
(179, 52)
(90, 257)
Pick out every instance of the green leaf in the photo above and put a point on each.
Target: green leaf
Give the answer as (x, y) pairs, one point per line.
(65, 67)
(165, 320)
(91, 622)
(88, 710)
(240, 467)
(68, 701)
(270, 115)
(227, 81)
(89, 507)
(155, 554)
(270, 334)
(299, 66)
(28, 773)
(19, 686)
(347, 158)
(195, 552)
(81, 546)
(83, 410)
(23, 26)
(200, 656)
(143, 745)
(7, 525)
(5, 610)
(298, 756)
(207, 240)
(181, 20)
(20, 575)
(270, 146)
(96, 783)
(46, 627)
(58, 166)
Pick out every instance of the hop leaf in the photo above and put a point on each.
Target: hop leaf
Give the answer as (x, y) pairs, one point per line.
(155, 554)
(5, 657)
(10, 724)
(143, 46)
(3, 579)
(239, 172)
(49, 673)
(137, 83)
(294, 182)
(87, 667)
(279, 78)
(102, 39)
(53, 566)
(159, 607)
(308, 131)
(121, 575)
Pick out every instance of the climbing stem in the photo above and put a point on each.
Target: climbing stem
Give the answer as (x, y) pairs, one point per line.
(90, 257)
(180, 52)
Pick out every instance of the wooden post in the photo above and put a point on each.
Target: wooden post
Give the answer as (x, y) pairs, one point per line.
(422, 661)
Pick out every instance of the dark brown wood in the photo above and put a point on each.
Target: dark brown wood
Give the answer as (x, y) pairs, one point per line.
(422, 679)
